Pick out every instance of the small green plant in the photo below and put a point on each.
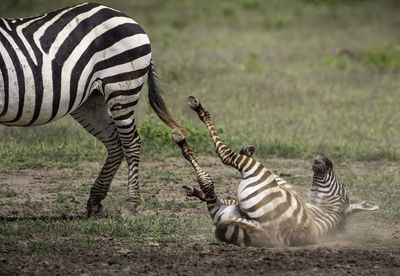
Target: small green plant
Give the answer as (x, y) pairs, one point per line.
(252, 64)
(276, 22)
(333, 3)
(251, 4)
(384, 58)
(169, 39)
(179, 23)
(228, 12)
(8, 193)
(64, 198)
(339, 61)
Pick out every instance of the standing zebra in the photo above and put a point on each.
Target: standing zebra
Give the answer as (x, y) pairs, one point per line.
(268, 212)
(89, 61)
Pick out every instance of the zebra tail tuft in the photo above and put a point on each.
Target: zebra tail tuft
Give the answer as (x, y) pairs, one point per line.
(158, 104)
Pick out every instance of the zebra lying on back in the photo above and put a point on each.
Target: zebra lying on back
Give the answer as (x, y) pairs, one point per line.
(268, 211)
(89, 61)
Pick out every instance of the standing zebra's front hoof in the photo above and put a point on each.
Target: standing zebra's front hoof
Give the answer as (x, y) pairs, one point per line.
(128, 210)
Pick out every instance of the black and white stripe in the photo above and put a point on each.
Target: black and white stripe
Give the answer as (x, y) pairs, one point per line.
(89, 61)
(329, 197)
(268, 212)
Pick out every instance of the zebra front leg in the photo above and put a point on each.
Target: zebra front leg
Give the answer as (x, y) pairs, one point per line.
(227, 156)
(195, 192)
(93, 116)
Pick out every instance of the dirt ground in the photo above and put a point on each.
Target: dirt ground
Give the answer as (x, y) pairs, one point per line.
(342, 254)
(200, 259)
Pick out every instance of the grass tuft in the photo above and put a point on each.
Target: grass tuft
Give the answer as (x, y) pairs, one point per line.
(384, 58)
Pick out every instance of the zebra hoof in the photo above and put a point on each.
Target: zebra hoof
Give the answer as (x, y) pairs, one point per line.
(93, 208)
(128, 211)
(177, 135)
(188, 189)
(193, 103)
(247, 150)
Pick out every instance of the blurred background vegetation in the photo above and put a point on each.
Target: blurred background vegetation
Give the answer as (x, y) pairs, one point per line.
(294, 78)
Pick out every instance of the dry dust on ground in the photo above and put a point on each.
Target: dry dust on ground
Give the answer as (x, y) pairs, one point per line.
(33, 197)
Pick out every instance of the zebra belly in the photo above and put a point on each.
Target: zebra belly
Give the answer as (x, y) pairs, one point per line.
(18, 101)
(23, 101)
(258, 200)
(283, 218)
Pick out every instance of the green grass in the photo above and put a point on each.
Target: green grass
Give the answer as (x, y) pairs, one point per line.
(8, 193)
(383, 187)
(267, 71)
(384, 57)
(151, 204)
(44, 237)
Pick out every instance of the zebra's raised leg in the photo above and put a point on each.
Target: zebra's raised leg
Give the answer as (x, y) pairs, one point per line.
(94, 117)
(227, 156)
(206, 192)
(206, 184)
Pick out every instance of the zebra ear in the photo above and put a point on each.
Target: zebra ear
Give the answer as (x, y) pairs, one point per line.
(328, 162)
(362, 206)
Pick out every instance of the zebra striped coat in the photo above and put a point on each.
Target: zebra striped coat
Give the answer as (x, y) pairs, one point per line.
(268, 212)
(89, 61)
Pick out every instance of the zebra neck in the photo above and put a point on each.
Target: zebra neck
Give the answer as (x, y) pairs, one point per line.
(329, 192)
(326, 219)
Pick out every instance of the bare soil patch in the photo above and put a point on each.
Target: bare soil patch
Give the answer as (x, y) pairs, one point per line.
(203, 259)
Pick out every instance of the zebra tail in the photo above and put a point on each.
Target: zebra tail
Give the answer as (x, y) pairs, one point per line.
(158, 104)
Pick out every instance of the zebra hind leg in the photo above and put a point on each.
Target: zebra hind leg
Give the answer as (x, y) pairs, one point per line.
(227, 156)
(247, 150)
(122, 111)
(94, 117)
(206, 184)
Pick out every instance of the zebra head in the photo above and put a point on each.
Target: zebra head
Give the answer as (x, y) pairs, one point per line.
(322, 165)
(327, 189)
(329, 194)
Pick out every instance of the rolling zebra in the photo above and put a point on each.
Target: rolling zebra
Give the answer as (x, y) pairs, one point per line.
(89, 61)
(268, 212)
